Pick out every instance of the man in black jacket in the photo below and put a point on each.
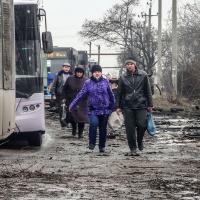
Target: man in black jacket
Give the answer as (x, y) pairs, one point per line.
(134, 98)
(58, 84)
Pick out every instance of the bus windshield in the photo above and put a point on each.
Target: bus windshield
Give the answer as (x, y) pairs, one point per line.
(27, 40)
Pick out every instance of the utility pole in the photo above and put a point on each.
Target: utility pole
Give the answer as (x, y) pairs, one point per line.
(149, 34)
(99, 52)
(159, 68)
(174, 45)
(145, 21)
(90, 49)
(131, 35)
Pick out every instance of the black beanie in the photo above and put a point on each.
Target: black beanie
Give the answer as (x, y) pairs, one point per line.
(79, 69)
(96, 68)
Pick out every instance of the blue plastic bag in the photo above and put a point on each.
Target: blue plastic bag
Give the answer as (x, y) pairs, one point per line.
(151, 128)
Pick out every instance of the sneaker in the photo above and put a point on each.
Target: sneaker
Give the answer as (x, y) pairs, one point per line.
(140, 146)
(102, 150)
(88, 150)
(80, 136)
(91, 147)
(132, 153)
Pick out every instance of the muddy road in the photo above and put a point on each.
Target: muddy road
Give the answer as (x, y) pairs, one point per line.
(168, 168)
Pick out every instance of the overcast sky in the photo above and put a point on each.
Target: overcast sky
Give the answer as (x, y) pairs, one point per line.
(65, 18)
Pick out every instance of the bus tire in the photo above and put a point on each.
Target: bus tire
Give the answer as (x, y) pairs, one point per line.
(35, 139)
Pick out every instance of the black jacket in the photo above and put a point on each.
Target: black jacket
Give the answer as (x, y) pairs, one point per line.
(134, 91)
(58, 82)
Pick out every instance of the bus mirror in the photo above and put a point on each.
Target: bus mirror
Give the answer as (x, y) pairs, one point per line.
(47, 42)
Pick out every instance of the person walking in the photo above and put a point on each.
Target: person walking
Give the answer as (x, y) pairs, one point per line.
(72, 86)
(134, 99)
(101, 102)
(58, 84)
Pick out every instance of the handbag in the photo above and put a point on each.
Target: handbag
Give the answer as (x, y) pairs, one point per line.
(116, 120)
(63, 112)
(65, 116)
(151, 128)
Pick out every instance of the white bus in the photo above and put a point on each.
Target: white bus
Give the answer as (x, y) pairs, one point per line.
(7, 69)
(30, 118)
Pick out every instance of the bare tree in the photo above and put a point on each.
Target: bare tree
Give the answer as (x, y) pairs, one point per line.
(189, 45)
(188, 54)
(119, 27)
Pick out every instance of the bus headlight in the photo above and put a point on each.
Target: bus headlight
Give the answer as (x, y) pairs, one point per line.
(25, 109)
(32, 107)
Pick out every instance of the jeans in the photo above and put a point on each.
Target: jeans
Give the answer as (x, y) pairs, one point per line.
(135, 124)
(96, 121)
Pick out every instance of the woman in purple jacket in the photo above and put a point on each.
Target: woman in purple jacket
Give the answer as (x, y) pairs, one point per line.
(101, 103)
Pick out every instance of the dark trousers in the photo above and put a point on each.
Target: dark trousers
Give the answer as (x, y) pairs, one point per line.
(96, 121)
(80, 127)
(135, 123)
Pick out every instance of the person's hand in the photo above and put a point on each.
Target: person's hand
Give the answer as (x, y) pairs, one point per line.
(150, 109)
(70, 110)
(63, 101)
(118, 110)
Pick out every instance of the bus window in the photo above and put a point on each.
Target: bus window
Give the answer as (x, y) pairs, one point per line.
(27, 40)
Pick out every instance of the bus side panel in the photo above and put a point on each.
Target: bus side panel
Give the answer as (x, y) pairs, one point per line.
(8, 112)
(7, 69)
(1, 113)
(1, 83)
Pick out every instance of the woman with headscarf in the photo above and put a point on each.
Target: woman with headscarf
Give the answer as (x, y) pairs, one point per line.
(71, 88)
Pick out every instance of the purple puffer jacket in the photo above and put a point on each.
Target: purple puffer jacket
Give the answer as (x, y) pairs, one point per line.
(100, 96)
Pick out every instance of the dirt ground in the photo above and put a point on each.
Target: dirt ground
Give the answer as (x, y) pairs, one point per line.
(168, 168)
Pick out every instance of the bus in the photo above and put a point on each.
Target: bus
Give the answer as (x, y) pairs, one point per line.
(54, 62)
(83, 61)
(30, 116)
(7, 69)
(61, 55)
(82, 58)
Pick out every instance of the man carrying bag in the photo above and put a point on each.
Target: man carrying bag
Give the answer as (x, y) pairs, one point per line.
(134, 99)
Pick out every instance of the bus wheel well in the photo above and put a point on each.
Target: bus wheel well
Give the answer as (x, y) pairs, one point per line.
(35, 138)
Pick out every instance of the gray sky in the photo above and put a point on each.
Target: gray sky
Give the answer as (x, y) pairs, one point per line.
(65, 18)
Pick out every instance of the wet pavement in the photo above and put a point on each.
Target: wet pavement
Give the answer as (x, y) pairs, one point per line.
(63, 168)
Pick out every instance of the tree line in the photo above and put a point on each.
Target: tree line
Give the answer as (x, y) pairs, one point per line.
(120, 27)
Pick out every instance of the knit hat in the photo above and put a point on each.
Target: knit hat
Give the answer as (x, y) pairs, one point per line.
(130, 61)
(79, 69)
(96, 68)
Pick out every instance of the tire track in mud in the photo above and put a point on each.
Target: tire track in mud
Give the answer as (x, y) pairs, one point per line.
(63, 169)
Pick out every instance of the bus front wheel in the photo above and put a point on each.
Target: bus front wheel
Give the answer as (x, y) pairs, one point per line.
(35, 139)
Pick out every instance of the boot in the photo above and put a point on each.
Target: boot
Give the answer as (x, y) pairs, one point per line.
(80, 130)
(140, 146)
(80, 135)
(73, 128)
(74, 131)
